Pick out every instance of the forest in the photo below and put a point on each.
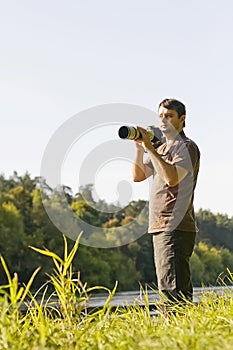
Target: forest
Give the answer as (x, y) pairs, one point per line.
(25, 223)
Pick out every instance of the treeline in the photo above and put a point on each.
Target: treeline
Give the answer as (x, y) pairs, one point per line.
(24, 223)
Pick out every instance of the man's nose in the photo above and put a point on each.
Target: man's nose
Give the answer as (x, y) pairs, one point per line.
(163, 119)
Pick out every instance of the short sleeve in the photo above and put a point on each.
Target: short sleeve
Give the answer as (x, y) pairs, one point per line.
(186, 156)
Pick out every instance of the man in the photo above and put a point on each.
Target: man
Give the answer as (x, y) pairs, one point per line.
(174, 166)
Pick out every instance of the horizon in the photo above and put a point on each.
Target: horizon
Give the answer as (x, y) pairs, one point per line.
(121, 205)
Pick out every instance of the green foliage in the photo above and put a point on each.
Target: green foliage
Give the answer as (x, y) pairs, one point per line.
(210, 263)
(215, 229)
(69, 291)
(12, 235)
(86, 212)
(35, 325)
(16, 293)
(24, 222)
(66, 323)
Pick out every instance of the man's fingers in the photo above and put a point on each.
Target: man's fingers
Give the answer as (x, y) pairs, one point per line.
(142, 131)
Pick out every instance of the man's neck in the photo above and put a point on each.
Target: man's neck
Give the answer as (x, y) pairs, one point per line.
(170, 138)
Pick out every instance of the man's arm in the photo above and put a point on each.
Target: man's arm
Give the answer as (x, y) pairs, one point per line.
(169, 173)
(141, 171)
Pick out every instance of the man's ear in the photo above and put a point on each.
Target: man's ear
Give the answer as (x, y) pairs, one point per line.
(182, 118)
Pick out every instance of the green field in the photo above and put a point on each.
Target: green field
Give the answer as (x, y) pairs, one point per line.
(26, 323)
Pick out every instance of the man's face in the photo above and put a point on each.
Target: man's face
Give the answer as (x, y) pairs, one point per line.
(170, 123)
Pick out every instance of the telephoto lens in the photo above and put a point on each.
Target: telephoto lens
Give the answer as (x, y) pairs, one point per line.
(129, 132)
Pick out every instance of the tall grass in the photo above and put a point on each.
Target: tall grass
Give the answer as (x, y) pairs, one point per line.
(59, 319)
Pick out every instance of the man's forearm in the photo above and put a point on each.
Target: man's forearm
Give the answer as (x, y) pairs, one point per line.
(171, 174)
(139, 167)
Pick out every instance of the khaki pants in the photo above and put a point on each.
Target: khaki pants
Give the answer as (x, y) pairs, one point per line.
(172, 251)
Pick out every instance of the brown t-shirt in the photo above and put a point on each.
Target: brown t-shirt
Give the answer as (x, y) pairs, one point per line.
(171, 208)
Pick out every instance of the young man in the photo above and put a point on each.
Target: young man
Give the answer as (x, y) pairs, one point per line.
(174, 166)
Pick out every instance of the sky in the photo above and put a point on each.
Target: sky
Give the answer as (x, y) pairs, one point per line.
(60, 58)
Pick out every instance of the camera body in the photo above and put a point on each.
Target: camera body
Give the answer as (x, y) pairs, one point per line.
(132, 133)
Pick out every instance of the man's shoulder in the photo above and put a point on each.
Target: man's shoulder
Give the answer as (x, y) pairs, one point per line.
(189, 143)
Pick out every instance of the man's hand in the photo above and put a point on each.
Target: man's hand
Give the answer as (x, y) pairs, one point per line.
(145, 138)
(139, 146)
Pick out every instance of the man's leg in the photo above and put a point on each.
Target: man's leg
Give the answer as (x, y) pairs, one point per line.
(172, 251)
(184, 244)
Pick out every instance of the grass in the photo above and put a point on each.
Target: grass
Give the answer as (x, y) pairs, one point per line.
(67, 324)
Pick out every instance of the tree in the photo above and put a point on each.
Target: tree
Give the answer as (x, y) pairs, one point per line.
(215, 229)
(209, 263)
(13, 240)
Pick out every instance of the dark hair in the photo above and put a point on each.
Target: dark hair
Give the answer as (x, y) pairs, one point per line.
(172, 103)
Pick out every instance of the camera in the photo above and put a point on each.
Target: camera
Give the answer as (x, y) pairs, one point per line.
(132, 133)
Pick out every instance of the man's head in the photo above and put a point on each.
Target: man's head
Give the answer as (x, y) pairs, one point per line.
(172, 115)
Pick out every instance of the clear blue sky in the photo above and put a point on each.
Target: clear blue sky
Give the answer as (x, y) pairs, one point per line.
(61, 57)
